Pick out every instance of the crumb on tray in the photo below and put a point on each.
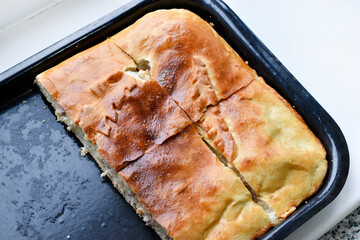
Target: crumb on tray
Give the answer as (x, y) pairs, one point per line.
(83, 151)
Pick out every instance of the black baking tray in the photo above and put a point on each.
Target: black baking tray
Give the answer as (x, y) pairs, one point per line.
(47, 191)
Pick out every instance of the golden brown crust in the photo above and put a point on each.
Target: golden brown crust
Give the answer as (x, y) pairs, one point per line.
(191, 194)
(269, 143)
(122, 115)
(141, 132)
(187, 57)
(144, 116)
(72, 78)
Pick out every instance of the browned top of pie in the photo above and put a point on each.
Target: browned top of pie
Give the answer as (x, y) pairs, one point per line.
(192, 194)
(187, 57)
(140, 123)
(268, 142)
(121, 114)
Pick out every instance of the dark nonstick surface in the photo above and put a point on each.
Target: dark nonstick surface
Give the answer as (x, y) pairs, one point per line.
(48, 191)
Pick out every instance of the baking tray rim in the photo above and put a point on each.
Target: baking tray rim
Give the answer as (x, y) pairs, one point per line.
(284, 82)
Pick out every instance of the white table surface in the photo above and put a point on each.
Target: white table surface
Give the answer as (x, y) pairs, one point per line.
(318, 41)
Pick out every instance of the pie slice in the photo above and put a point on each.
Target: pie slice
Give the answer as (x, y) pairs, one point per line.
(187, 57)
(263, 137)
(191, 194)
(121, 115)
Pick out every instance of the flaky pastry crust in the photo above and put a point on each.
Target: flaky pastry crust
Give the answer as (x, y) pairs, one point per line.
(260, 134)
(134, 101)
(187, 57)
(192, 194)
